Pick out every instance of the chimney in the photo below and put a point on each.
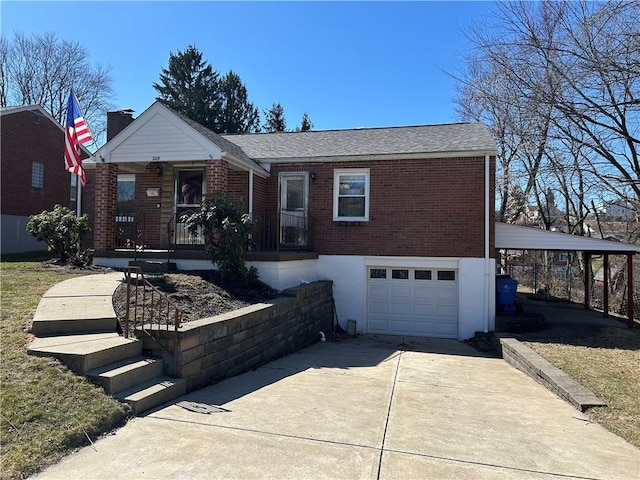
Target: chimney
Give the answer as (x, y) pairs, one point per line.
(118, 121)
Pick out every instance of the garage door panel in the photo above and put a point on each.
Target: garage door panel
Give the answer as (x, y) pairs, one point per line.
(400, 326)
(446, 330)
(446, 312)
(423, 294)
(423, 310)
(424, 328)
(378, 291)
(396, 308)
(446, 295)
(378, 324)
(400, 292)
(417, 305)
(378, 308)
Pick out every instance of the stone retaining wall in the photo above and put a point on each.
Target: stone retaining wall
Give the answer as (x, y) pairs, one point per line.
(211, 349)
(525, 359)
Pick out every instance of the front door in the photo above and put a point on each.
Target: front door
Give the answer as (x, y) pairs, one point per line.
(294, 192)
(189, 191)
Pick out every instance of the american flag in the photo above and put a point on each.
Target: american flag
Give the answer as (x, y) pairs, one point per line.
(76, 133)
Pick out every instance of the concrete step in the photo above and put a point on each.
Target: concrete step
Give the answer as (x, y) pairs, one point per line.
(153, 393)
(85, 352)
(119, 376)
(151, 266)
(50, 327)
(78, 305)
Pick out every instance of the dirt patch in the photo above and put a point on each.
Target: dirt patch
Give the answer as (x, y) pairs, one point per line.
(64, 267)
(200, 294)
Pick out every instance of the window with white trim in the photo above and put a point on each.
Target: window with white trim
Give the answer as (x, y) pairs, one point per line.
(37, 175)
(351, 195)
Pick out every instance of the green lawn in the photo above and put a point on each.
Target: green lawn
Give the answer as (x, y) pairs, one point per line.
(45, 410)
(608, 364)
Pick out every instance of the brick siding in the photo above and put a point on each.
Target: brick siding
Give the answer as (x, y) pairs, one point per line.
(28, 137)
(217, 174)
(430, 207)
(105, 206)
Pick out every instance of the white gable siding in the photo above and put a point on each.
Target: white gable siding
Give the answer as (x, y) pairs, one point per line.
(159, 137)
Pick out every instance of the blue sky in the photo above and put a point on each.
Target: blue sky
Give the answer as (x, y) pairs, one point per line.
(347, 64)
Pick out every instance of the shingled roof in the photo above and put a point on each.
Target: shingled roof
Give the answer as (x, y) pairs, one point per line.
(426, 140)
(223, 143)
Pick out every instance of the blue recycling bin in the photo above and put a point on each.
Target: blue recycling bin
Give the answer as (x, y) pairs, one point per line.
(506, 295)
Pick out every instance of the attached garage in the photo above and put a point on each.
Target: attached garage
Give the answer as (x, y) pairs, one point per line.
(412, 301)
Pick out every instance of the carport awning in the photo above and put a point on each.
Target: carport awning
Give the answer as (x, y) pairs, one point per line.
(516, 237)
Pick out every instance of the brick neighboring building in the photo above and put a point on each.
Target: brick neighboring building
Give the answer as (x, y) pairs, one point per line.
(32, 173)
(400, 219)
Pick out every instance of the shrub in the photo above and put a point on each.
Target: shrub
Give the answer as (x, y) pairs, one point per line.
(62, 230)
(226, 230)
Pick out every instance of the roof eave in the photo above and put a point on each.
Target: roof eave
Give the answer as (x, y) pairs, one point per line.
(380, 157)
(244, 165)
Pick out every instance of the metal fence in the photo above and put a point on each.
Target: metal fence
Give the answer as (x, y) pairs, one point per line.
(547, 276)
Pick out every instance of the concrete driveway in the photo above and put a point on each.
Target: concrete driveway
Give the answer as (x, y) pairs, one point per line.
(374, 407)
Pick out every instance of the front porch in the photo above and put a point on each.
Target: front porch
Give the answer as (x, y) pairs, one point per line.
(278, 269)
(282, 232)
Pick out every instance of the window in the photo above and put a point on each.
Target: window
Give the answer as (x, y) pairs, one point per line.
(422, 274)
(447, 275)
(125, 197)
(400, 274)
(190, 187)
(378, 273)
(74, 187)
(37, 175)
(351, 195)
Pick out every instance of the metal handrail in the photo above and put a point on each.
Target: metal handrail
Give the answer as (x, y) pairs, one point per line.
(151, 310)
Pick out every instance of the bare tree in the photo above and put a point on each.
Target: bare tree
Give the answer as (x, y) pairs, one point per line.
(559, 85)
(491, 91)
(596, 58)
(42, 68)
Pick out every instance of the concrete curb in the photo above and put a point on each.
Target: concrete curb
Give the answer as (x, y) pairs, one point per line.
(525, 359)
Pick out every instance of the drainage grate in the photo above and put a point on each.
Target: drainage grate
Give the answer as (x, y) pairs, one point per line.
(203, 408)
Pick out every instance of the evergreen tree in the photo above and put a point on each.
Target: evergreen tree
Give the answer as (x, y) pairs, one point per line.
(306, 125)
(237, 113)
(274, 119)
(190, 86)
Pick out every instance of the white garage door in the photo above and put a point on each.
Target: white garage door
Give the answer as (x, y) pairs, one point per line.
(412, 301)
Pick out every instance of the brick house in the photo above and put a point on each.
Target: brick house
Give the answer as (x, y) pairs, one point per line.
(400, 219)
(33, 175)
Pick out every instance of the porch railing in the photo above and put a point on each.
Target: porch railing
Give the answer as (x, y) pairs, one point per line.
(273, 232)
(151, 311)
(180, 235)
(284, 231)
(130, 231)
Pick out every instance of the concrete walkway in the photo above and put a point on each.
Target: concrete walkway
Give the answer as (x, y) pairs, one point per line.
(371, 408)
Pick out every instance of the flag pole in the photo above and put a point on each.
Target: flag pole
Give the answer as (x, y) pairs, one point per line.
(78, 197)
